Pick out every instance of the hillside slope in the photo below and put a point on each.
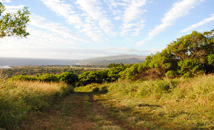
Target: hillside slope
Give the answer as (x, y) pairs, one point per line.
(126, 59)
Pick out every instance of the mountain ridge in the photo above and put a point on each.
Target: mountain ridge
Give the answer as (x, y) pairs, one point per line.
(126, 59)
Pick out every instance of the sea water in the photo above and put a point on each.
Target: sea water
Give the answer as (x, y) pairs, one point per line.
(6, 62)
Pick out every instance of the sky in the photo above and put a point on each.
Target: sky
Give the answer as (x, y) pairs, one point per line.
(82, 29)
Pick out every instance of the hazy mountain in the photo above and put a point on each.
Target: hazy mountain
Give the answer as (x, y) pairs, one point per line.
(126, 59)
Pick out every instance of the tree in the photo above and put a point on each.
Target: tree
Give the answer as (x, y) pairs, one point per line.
(189, 46)
(13, 24)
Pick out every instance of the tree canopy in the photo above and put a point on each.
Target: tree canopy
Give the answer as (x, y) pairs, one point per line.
(13, 24)
(187, 56)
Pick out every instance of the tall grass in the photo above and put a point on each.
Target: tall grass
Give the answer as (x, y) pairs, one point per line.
(169, 103)
(19, 98)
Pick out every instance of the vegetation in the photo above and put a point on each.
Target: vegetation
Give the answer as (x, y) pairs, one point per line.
(43, 69)
(19, 98)
(13, 24)
(188, 56)
(67, 77)
(159, 104)
(172, 89)
(101, 76)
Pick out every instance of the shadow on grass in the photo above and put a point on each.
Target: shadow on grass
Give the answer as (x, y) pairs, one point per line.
(148, 105)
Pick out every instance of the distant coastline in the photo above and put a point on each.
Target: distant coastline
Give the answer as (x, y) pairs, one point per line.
(125, 59)
(31, 61)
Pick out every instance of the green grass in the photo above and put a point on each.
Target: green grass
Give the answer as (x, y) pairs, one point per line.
(18, 99)
(162, 104)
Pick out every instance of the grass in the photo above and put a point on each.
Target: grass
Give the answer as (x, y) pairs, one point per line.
(19, 98)
(161, 104)
(76, 111)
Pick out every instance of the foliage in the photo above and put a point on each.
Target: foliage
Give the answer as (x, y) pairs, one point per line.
(113, 65)
(48, 78)
(23, 78)
(94, 88)
(93, 77)
(132, 72)
(210, 59)
(188, 56)
(101, 76)
(43, 69)
(44, 78)
(13, 24)
(190, 67)
(170, 74)
(113, 73)
(69, 78)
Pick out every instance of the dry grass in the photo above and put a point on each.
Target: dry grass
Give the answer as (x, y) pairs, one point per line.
(40, 86)
(163, 104)
(19, 98)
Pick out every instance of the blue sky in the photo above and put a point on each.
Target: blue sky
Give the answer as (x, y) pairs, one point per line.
(81, 29)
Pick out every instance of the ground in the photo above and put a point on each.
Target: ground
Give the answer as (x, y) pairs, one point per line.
(77, 111)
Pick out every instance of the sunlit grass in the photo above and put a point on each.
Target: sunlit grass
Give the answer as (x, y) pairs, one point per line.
(160, 104)
(19, 98)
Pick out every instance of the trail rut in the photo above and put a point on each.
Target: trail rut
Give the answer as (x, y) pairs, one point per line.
(75, 112)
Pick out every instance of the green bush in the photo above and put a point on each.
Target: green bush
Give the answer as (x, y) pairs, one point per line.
(210, 59)
(48, 78)
(69, 78)
(23, 78)
(170, 74)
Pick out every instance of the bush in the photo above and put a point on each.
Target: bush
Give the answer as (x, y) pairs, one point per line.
(48, 78)
(23, 78)
(69, 78)
(170, 74)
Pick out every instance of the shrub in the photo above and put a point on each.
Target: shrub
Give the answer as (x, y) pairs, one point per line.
(48, 78)
(69, 78)
(23, 78)
(170, 74)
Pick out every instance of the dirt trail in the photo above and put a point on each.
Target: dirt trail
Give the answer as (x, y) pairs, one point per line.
(75, 112)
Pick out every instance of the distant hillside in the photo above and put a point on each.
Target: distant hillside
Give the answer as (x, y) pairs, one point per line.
(126, 59)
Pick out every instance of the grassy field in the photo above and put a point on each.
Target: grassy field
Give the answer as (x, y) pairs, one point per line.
(160, 104)
(152, 104)
(76, 111)
(18, 99)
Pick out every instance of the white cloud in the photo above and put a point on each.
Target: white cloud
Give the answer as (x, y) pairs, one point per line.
(5, 1)
(75, 18)
(205, 21)
(178, 10)
(13, 9)
(43, 23)
(36, 45)
(133, 12)
(94, 11)
(135, 28)
(63, 9)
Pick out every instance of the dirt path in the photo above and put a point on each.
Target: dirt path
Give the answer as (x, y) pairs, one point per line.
(75, 112)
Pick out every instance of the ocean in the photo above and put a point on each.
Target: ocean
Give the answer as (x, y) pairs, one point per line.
(6, 62)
